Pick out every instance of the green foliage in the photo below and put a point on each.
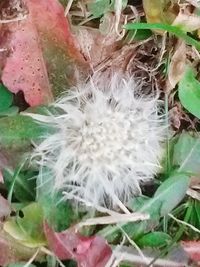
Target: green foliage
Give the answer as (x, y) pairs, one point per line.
(171, 192)
(154, 239)
(58, 213)
(6, 98)
(20, 264)
(18, 131)
(98, 8)
(27, 226)
(186, 154)
(189, 92)
(138, 35)
(177, 31)
(194, 218)
(20, 183)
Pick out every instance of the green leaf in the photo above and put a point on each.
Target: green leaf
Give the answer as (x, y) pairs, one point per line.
(21, 183)
(146, 205)
(138, 36)
(99, 7)
(165, 27)
(20, 264)
(27, 227)
(154, 239)
(186, 154)
(18, 131)
(189, 93)
(166, 198)
(10, 111)
(171, 192)
(58, 213)
(6, 98)
(194, 219)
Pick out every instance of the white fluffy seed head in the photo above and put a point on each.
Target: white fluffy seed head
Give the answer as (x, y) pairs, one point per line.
(108, 139)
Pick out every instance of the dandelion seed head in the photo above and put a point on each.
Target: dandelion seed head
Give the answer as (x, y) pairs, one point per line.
(108, 139)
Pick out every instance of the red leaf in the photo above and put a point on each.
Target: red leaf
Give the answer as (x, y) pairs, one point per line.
(52, 24)
(193, 249)
(25, 68)
(42, 52)
(87, 251)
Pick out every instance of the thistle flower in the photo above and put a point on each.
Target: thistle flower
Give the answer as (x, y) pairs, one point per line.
(108, 139)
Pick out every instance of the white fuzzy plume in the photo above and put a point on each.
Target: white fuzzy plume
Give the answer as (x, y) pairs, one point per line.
(107, 140)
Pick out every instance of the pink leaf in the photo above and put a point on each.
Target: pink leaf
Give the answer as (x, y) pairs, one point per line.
(193, 249)
(1, 178)
(4, 207)
(87, 251)
(42, 52)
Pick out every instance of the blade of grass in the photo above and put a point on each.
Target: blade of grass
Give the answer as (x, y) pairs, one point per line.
(176, 237)
(15, 176)
(165, 27)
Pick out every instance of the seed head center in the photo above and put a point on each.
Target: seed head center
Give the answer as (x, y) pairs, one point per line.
(103, 141)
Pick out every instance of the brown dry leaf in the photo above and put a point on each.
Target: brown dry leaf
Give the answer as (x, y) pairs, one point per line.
(157, 11)
(195, 182)
(177, 65)
(194, 3)
(95, 45)
(187, 21)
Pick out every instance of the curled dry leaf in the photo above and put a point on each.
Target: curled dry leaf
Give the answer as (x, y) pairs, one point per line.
(187, 21)
(177, 65)
(42, 52)
(194, 3)
(87, 251)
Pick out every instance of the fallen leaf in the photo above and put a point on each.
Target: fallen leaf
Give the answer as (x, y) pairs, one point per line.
(43, 54)
(4, 207)
(177, 65)
(187, 21)
(157, 11)
(193, 249)
(11, 251)
(87, 251)
(27, 230)
(98, 45)
(25, 67)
